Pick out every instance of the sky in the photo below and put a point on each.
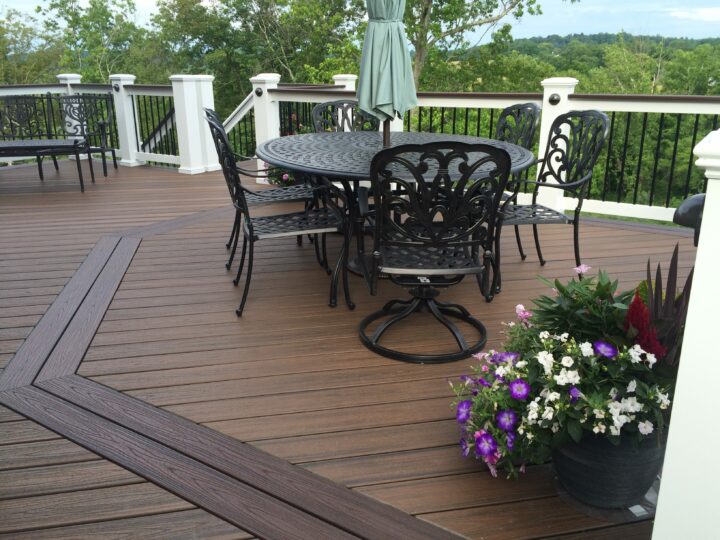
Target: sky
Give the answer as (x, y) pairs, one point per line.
(672, 18)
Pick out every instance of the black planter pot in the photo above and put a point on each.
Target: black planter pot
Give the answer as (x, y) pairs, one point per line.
(598, 473)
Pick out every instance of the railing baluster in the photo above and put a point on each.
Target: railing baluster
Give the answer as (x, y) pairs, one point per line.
(686, 190)
(442, 120)
(431, 120)
(640, 156)
(672, 162)
(492, 119)
(624, 157)
(479, 118)
(467, 119)
(609, 152)
(661, 125)
(420, 110)
(454, 119)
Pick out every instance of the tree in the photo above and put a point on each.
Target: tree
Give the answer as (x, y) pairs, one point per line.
(27, 55)
(445, 24)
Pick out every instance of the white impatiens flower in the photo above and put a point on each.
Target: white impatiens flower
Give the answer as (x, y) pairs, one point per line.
(613, 393)
(586, 349)
(663, 400)
(521, 364)
(567, 361)
(567, 377)
(631, 405)
(636, 352)
(548, 413)
(555, 427)
(532, 414)
(501, 371)
(563, 337)
(598, 413)
(646, 427)
(632, 386)
(599, 428)
(615, 408)
(650, 359)
(545, 358)
(614, 430)
(552, 396)
(544, 335)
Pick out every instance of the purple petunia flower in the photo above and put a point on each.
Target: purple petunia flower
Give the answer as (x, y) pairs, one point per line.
(603, 348)
(510, 439)
(519, 389)
(463, 411)
(506, 419)
(509, 357)
(574, 394)
(485, 444)
(483, 382)
(464, 448)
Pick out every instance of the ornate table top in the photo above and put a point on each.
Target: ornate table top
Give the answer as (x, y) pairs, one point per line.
(348, 154)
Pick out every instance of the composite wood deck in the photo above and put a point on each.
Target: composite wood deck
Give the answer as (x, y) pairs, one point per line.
(137, 404)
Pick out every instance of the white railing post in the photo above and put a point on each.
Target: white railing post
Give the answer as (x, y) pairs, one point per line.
(687, 504)
(345, 79)
(69, 79)
(125, 119)
(555, 102)
(191, 94)
(267, 111)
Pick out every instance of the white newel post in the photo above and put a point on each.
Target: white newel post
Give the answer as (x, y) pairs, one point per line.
(555, 102)
(191, 94)
(267, 111)
(69, 79)
(125, 119)
(689, 492)
(345, 79)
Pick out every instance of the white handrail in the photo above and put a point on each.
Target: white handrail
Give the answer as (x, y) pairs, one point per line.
(240, 111)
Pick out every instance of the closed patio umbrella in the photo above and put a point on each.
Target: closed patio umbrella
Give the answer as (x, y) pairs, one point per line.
(386, 87)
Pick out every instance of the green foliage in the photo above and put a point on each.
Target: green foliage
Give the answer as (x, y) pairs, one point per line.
(591, 307)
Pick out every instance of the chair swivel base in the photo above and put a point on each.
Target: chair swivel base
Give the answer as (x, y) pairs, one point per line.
(423, 299)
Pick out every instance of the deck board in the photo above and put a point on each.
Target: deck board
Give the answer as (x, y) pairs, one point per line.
(290, 377)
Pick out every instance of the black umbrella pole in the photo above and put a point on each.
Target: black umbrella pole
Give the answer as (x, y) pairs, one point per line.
(386, 133)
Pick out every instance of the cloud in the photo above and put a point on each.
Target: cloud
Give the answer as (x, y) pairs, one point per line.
(708, 14)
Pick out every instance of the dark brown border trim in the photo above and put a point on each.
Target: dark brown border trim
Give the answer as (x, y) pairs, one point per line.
(646, 97)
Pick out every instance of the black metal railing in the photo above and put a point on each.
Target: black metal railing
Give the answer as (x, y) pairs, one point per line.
(648, 158)
(295, 118)
(242, 135)
(155, 122)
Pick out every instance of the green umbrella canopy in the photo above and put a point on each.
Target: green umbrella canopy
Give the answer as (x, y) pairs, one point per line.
(386, 87)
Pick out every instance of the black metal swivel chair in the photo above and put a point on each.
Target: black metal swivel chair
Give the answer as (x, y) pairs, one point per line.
(313, 221)
(297, 193)
(437, 229)
(342, 115)
(574, 144)
(89, 117)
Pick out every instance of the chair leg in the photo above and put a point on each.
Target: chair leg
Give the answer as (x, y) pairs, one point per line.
(112, 152)
(57, 167)
(233, 232)
(80, 174)
(497, 275)
(239, 310)
(519, 243)
(346, 283)
(92, 170)
(242, 261)
(576, 240)
(236, 232)
(537, 244)
(299, 240)
(104, 163)
(40, 170)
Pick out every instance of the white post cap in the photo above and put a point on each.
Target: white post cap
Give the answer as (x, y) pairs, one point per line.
(265, 78)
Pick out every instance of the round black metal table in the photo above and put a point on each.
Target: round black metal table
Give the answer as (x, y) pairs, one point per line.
(345, 157)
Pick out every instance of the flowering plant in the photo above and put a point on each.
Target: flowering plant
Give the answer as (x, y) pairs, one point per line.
(280, 178)
(549, 387)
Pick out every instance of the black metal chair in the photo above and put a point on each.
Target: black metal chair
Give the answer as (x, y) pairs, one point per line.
(313, 221)
(438, 228)
(574, 144)
(89, 117)
(342, 115)
(297, 193)
(517, 124)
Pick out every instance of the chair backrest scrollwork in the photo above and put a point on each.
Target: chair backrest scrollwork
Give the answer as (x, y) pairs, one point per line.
(518, 124)
(438, 194)
(574, 145)
(342, 115)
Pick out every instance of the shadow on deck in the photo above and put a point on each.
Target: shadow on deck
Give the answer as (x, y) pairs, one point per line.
(118, 333)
